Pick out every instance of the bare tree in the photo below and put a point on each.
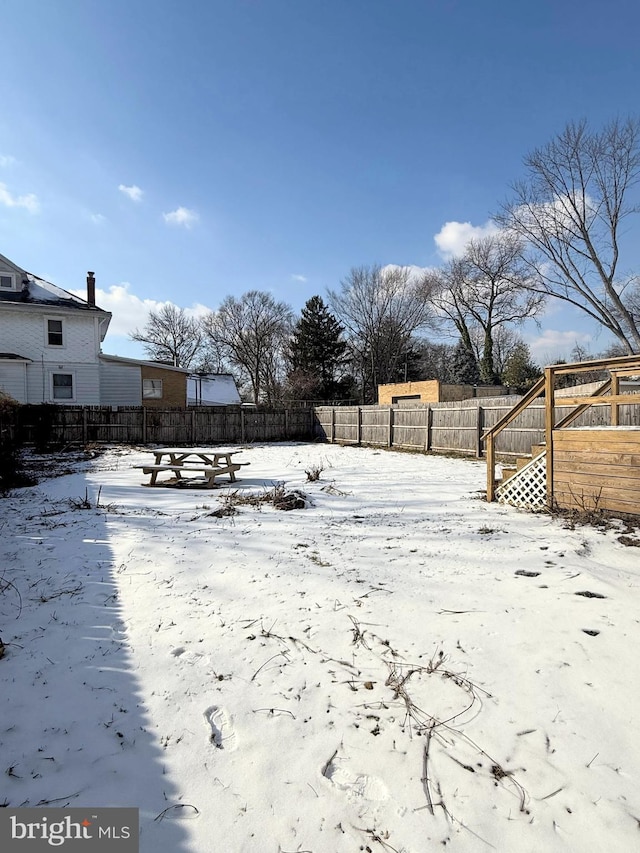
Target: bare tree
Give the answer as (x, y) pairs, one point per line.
(380, 309)
(251, 333)
(506, 341)
(484, 291)
(570, 210)
(434, 360)
(170, 335)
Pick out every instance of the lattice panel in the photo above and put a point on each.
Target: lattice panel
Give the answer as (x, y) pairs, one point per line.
(527, 488)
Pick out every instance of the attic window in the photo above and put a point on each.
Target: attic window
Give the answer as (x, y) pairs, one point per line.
(7, 281)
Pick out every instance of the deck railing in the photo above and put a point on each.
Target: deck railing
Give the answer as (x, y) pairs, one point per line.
(608, 393)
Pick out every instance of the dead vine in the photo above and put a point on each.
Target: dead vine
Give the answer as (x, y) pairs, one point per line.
(422, 723)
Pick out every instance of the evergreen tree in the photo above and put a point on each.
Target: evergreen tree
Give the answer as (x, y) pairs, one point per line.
(315, 353)
(464, 365)
(520, 373)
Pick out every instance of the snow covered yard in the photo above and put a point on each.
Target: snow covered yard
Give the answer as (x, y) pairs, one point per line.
(397, 667)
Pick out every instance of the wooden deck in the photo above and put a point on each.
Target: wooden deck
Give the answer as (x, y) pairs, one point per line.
(585, 468)
(597, 469)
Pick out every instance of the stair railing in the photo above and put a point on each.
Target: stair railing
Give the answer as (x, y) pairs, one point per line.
(620, 366)
(489, 437)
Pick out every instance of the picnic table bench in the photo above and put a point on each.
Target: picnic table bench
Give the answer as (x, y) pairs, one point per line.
(208, 462)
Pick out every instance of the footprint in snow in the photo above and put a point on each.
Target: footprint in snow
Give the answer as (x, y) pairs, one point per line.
(192, 658)
(223, 735)
(357, 786)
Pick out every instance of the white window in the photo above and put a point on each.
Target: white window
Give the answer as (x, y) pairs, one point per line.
(54, 332)
(7, 281)
(152, 389)
(62, 386)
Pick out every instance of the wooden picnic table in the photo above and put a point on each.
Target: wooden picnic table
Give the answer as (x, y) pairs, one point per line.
(211, 462)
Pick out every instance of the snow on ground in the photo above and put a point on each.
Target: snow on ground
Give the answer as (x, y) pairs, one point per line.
(397, 667)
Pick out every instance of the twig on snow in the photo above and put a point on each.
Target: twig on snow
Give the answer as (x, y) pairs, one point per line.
(328, 764)
(358, 634)
(375, 836)
(58, 799)
(163, 813)
(273, 657)
(273, 710)
(7, 584)
(425, 767)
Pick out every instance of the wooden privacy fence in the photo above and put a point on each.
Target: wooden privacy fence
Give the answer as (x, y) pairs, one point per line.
(48, 424)
(451, 427)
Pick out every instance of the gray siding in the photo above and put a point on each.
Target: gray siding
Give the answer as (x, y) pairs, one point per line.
(86, 382)
(120, 384)
(13, 379)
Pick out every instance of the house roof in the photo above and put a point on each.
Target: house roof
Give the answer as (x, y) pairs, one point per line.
(141, 363)
(12, 356)
(212, 389)
(37, 291)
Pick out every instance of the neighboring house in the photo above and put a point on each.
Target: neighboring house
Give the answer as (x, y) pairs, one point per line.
(50, 350)
(131, 382)
(212, 389)
(49, 339)
(434, 391)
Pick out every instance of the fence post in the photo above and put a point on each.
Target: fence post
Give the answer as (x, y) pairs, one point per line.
(479, 430)
(286, 424)
(193, 426)
(491, 470)
(428, 436)
(242, 429)
(84, 424)
(333, 426)
(390, 438)
(615, 390)
(144, 424)
(359, 427)
(549, 418)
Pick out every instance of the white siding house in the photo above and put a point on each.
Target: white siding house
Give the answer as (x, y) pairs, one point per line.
(50, 350)
(49, 340)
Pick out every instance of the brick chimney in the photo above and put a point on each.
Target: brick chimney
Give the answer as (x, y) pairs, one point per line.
(91, 288)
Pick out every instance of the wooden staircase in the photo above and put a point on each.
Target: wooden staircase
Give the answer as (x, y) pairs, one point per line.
(525, 484)
(529, 483)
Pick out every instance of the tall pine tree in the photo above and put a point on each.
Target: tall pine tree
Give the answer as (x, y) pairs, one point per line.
(464, 365)
(520, 373)
(315, 353)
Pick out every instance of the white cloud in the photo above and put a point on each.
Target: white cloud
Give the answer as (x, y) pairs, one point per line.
(414, 272)
(301, 278)
(130, 311)
(554, 344)
(97, 218)
(134, 192)
(181, 216)
(6, 160)
(563, 215)
(453, 237)
(29, 202)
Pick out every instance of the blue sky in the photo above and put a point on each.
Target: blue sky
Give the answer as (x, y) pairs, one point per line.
(189, 150)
